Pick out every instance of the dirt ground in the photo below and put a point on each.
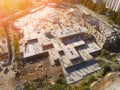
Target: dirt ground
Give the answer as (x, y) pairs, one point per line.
(114, 85)
(7, 80)
(41, 68)
(104, 82)
(32, 70)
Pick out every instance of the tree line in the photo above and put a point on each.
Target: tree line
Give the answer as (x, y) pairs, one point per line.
(101, 9)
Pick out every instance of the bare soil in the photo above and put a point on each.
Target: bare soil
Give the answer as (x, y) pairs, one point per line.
(42, 68)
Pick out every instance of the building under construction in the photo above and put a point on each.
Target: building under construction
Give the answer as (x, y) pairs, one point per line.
(62, 35)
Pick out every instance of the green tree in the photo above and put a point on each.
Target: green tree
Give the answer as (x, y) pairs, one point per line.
(84, 85)
(16, 47)
(91, 79)
(106, 69)
(102, 9)
(2, 33)
(118, 19)
(29, 86)
(60, 84)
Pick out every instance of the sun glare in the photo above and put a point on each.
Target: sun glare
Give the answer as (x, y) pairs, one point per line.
(13, 4)
(21, 4)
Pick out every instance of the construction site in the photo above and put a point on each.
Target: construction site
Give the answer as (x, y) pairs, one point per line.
(56, 38)
(58, 45)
